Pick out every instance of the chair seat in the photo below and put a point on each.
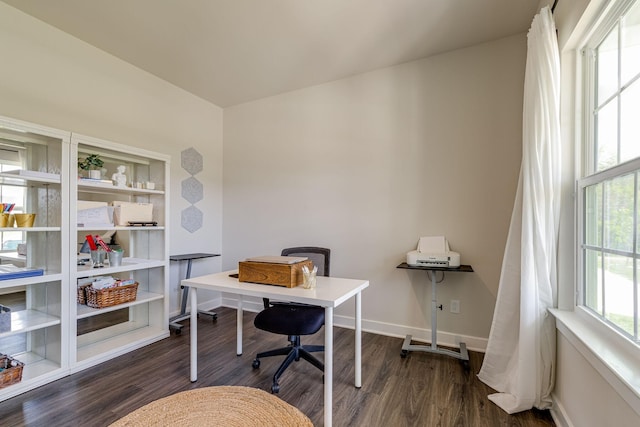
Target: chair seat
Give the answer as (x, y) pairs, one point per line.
(294, 319)
(290, 319)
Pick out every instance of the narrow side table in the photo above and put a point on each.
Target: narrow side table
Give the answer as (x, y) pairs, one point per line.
(463, 355)
(174, 322)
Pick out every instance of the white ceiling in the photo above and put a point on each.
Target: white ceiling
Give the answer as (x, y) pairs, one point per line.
(233, 51)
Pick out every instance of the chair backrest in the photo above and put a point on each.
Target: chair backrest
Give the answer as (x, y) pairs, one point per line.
(320, 257)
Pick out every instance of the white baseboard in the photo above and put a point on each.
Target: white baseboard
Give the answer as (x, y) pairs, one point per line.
(446, 339)
(207, 305)
(558, 414)
(381, 328)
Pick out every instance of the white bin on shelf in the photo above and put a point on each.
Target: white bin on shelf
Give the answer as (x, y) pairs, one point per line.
(124, 212)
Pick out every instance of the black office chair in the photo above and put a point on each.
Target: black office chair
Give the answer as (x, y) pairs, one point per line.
(294, 320)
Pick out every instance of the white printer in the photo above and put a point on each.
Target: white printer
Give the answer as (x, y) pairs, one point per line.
(433, 252)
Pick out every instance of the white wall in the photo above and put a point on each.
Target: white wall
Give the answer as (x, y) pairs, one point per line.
(50, 78)
(368, 164)
(582, 397)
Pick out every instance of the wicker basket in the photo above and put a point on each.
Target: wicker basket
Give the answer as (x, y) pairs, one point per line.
(11, 371)
(82, 298)
(100, 298)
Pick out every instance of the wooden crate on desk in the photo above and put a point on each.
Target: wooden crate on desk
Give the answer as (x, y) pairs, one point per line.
(288, 275)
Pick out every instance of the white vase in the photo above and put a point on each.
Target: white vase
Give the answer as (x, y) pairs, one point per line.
(95, 174)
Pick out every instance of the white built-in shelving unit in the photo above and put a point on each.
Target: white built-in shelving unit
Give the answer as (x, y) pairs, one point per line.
(53, 334)
(39, 333)
(146, 253)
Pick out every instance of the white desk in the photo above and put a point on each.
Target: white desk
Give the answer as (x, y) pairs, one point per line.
(329, 293)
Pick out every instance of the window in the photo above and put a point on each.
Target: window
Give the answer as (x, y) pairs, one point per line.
(11, 159)
(609, 190)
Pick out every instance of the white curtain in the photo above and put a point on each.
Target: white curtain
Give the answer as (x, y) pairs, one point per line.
(520, 357)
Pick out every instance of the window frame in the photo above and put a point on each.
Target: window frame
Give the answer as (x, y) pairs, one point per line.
(6, 165)
(588, 175)
(630, 167)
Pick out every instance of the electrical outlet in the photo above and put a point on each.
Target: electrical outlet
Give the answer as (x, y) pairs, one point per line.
(454, 307)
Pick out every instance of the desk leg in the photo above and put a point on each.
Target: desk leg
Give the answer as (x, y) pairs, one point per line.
(328, 365)
(358, 367)
(194, 335)
(239, 327)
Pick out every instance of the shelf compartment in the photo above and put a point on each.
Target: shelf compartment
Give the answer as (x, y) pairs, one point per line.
(104, 188)
(102, 349)
(123, 228)
(128, 264)
(47, 277)
(36, 371)
(112, 153)
(29, 320)
(30, 229)
(12, 257)
(23, 178)
(142, 297)
(41, 352)
(35, 366)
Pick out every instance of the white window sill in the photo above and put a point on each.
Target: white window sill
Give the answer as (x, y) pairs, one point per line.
(614, 357)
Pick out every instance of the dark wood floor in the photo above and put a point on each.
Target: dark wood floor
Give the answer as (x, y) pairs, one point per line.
(420, 390)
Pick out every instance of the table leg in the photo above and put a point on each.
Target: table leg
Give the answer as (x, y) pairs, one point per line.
(194, 335)
(358, 366)
(239, 327)
(174, 322)
(328, 365)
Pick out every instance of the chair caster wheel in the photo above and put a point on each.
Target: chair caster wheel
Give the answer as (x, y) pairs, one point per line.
(256, 364)
(178, 331)
(403, 354)
(275, 388)
(465, 365)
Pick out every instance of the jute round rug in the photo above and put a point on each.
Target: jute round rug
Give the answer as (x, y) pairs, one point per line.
(229, 406)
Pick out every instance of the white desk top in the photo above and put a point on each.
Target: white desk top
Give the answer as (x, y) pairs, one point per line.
(329, 291)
